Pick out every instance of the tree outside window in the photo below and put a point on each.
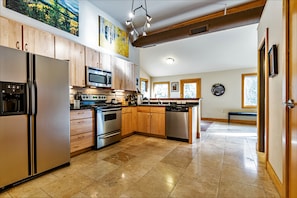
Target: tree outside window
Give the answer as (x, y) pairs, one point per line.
(161, 89)
(249, 90)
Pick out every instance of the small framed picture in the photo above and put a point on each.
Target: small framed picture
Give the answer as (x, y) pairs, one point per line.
(174, 87)
(272, 61)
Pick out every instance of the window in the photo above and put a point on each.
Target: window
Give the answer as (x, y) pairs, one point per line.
(191, 88)
(143, 85)
(161, 89)
(249, 90)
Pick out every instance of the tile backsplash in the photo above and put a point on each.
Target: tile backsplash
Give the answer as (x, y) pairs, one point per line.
(119, 95)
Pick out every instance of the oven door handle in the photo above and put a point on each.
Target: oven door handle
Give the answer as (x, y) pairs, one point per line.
(111, 109)
(108, 136)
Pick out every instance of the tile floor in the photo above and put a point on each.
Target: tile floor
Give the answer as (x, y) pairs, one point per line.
(223, 163)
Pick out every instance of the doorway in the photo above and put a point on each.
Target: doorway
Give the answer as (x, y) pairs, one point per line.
(261, 99)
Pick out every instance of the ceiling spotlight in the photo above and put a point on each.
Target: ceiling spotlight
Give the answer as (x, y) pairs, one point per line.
(128, 22)
(148, 18)
(148, 25)
(131, 15)
(144, 34)
(170, 61)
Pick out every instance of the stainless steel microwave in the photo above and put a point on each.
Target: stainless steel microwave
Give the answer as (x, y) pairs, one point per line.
(98, 78)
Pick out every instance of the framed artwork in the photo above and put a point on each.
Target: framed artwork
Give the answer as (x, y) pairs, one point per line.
(272, 61)
(174, 87)
(113, 38)
(59, 13)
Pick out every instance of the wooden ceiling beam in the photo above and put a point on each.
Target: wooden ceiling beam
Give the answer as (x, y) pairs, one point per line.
(245, 14)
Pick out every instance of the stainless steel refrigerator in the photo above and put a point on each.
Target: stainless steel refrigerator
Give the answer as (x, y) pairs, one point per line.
(34, 115)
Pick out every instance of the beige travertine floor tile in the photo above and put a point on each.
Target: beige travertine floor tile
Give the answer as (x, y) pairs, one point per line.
(222, 163)
(67, 185)
(234, 189)
(188, 187)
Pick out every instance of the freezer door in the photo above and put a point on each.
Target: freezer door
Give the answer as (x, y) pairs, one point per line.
(14, 158)
(52, 119)
(13, 66)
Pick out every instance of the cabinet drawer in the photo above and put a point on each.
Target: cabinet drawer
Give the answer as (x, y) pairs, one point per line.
(144, 109)
(81, 126)
(126, 110)
(78, 114)
(158, 109)
(82, 141)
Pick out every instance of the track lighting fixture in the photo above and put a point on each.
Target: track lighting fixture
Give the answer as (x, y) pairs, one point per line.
(140, 30)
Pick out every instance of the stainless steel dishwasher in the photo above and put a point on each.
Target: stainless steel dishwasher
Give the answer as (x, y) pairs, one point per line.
(176, 122)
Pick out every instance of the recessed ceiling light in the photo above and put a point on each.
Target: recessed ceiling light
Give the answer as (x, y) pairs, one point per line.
(170, 61)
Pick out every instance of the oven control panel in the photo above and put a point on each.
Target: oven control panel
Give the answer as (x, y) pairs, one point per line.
(93, 97)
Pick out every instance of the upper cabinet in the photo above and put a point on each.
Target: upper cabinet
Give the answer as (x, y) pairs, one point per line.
(38, 42)
(75, 53)
(105, 61)
(118, 71)
(92, 57)
(10, 33)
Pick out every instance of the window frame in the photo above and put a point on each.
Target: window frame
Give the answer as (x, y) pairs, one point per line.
(243, 76)
(146, 82)
(158, 83)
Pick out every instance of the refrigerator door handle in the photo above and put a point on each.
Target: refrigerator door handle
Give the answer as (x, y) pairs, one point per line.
(28, 98)
(34, 99)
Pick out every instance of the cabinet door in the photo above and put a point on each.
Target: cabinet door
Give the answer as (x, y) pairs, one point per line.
(38, 42)
(126, 123)
(134, 118)
(143, 122)
(105, 61)
(62, 48)
(118, 67)
(77, 65)
(158, 124)
(10, 33)
(129, 77)
(92, 57)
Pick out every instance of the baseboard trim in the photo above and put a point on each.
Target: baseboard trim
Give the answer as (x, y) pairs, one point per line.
(248, 122)
(274, 178)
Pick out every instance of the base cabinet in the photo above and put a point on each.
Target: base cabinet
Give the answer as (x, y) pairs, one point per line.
(129, 120)
(151, 120)
(82, 130)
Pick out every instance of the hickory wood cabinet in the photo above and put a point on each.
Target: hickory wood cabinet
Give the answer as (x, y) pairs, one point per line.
(123, 73)
(98, 59)
(10, 33)
(75, 53)
(92, 57)
(26, 38)
(82, 130)
(129, 120)
(151, 120)
(38, 42)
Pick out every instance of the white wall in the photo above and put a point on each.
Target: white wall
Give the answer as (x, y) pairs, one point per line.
(215, 106)
(88, 27)
(272, 19)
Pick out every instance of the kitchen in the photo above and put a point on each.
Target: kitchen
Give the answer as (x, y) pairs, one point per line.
(76, 80)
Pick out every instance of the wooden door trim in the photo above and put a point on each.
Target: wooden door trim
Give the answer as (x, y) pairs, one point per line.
(285, 133)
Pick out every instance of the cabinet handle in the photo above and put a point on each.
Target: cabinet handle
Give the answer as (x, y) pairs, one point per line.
(26, 47)
(17, 45)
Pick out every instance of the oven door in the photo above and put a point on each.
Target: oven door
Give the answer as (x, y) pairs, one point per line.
(108, 120)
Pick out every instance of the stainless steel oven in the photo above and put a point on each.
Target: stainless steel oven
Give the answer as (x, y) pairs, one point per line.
(108, 125)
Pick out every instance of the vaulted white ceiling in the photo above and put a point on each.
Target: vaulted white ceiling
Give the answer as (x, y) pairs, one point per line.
(223, 50)
(229, 49)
